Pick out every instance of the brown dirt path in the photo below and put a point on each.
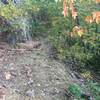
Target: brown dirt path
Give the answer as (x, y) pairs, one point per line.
(31, 74)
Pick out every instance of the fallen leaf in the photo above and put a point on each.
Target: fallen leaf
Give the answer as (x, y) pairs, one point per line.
(89, 19)
(7, 75)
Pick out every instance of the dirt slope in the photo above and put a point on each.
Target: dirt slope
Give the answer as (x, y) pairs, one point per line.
(31, 74)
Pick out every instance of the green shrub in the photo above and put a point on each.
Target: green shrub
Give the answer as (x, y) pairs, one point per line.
(75, 90)
(83, 50)
(90, 88)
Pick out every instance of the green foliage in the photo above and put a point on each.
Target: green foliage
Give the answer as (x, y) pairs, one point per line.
(41, 19)
(90, 87)
(94, 88)
(85, 50)
(46, 14)
(75, 90)
(12, 10)
(9, 11)
(34, 11)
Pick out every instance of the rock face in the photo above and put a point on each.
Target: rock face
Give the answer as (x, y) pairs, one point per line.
(16, 29)
(22, 31)
(33, 75)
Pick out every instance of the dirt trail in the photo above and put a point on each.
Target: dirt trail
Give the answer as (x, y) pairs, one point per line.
(32, 75)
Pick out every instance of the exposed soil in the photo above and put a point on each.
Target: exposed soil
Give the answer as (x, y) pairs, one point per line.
(30, 74)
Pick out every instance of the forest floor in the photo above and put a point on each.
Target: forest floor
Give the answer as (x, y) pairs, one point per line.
(30, 74)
